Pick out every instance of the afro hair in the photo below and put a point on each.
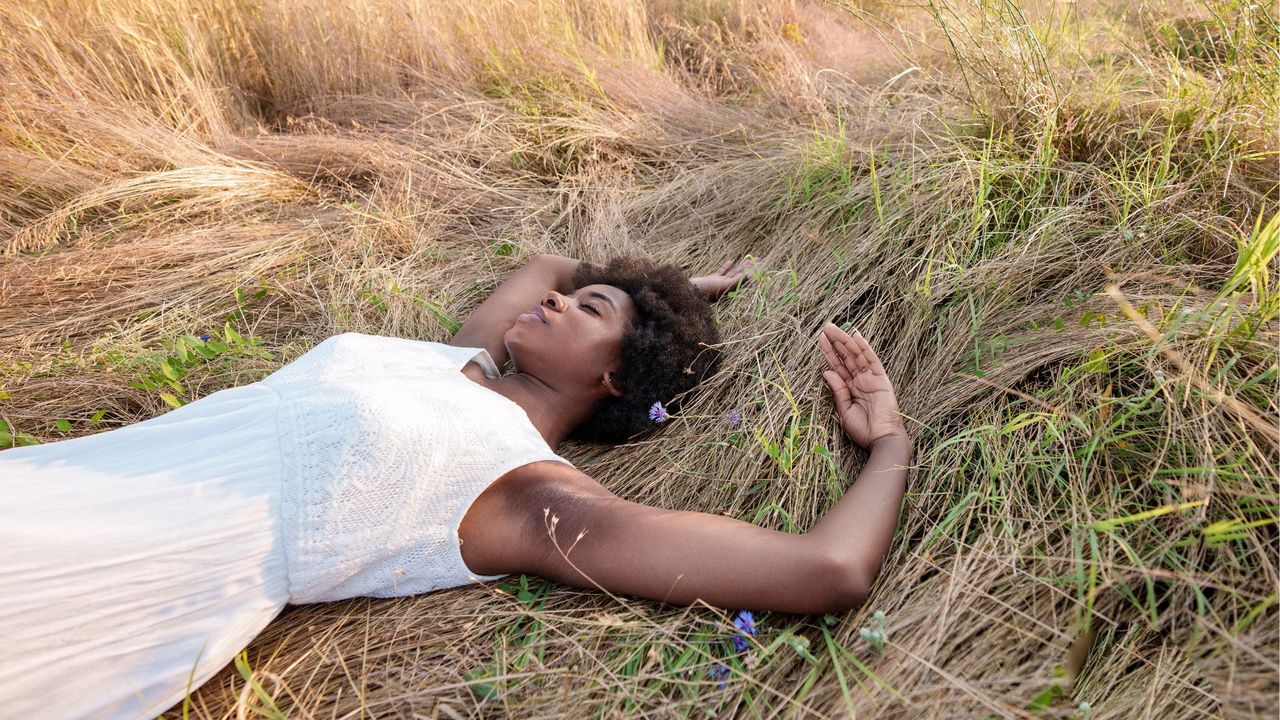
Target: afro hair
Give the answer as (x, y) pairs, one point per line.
(668, 348)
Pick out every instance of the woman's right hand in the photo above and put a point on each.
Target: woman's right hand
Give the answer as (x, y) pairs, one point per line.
(728, 277)
(865, 400)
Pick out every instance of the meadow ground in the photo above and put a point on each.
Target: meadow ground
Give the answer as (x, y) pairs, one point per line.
(1055, 221)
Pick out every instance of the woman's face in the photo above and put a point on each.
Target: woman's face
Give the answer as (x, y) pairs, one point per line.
(572, 341)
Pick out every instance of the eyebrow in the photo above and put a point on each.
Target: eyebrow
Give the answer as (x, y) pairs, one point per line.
(602, 296)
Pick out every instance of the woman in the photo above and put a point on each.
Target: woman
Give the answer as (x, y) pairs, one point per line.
(138, 562)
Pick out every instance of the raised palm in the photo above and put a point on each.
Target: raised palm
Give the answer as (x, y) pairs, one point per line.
(864, 397)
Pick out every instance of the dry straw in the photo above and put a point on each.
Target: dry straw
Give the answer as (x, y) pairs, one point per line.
(1053, 221)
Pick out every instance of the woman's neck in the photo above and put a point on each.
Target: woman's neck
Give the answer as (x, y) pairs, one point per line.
(554, 414)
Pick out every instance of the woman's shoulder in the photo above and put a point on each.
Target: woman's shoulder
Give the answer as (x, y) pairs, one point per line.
(498, 523)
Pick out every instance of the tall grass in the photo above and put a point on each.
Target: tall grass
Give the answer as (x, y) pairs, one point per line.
(1056, 222)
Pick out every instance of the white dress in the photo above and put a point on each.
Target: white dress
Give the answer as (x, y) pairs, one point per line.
(136, 563)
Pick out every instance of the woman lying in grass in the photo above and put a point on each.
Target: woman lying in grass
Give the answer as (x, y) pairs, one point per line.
(138, 562)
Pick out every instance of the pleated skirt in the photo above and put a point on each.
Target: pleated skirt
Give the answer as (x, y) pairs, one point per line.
(136, 563)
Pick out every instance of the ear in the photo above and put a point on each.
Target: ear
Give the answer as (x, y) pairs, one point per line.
(610, 386)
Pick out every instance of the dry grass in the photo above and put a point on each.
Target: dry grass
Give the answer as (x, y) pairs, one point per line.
(982, 192)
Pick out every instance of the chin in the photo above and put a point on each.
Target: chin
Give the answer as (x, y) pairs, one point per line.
(511, 355)
(509, 346)
(522, 357)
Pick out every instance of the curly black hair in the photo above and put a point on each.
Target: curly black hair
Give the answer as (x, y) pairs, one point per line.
(668, 348)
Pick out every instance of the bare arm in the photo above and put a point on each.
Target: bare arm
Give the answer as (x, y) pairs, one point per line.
(565, 526)
(859, 528)
(527, 287)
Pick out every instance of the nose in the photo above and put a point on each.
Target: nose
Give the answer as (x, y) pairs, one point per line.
(555, 301)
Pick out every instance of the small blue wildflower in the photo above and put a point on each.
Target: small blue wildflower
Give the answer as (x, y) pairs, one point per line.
(657, 413)
(204, 338)
(720, 672)
(745, 624)
(733, 417)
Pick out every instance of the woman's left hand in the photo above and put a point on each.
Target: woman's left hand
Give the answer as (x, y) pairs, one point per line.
(865, 400)
(728, 277)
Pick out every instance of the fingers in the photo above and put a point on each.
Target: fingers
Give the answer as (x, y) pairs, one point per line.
(856, 349)
(834, 333)
(743, 266)
(866, 356)
(834, 359)
(724, 269)
(839, 390)
(851, 357)
(848, 355)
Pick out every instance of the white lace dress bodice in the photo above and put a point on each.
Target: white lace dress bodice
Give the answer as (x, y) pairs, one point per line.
(384, 446)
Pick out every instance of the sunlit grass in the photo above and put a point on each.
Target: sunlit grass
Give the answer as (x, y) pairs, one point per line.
(1056, 222)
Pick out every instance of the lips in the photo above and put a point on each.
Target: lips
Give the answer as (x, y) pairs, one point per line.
(537, 310)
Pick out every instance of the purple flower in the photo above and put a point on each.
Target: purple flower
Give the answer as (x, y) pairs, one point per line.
(204, 338)
(733, 417)
(657, 413)
(720, 672)
(745, 624)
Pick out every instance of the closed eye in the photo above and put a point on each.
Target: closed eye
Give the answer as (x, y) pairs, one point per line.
(592, 308)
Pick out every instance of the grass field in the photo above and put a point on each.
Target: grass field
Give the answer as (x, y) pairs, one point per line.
(1056, 221)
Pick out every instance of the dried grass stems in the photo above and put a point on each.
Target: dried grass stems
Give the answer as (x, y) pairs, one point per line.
(1054, 223)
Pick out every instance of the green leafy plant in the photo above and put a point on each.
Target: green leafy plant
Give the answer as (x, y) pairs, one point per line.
(165, 371)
